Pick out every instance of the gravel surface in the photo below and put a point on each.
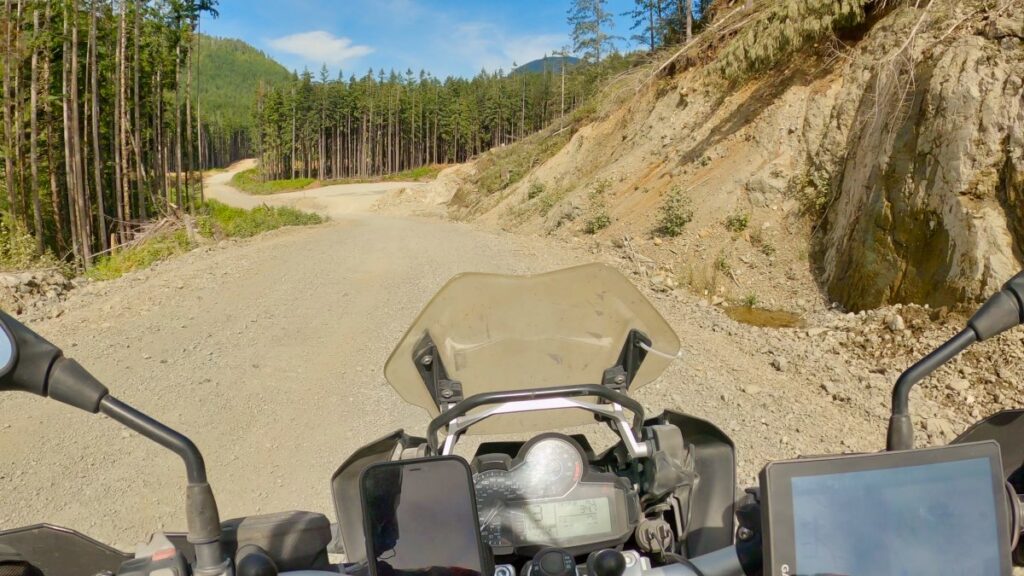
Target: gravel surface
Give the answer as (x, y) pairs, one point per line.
(269, 354)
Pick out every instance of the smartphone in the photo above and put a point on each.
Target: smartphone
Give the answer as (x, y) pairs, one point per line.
(420, 517)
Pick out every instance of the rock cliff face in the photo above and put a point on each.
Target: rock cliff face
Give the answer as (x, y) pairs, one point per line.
(927, 195)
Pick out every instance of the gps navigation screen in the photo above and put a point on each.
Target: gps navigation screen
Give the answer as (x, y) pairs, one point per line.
(929, 519)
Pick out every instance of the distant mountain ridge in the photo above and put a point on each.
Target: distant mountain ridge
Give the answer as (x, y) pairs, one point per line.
(552, 63)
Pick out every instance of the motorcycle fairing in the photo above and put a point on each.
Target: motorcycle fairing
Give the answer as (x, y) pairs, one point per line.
(713, 499)
(58, 551)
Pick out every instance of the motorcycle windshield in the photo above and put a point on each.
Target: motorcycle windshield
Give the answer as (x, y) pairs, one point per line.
(496, 332)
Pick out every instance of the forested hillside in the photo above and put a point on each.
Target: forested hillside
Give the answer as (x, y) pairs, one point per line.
(99, 130)
(382, 123)
(229, 72)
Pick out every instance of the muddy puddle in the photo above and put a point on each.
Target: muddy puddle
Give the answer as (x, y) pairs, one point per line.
(764, 318)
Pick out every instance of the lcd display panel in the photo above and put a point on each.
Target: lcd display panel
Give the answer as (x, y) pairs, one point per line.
(559, 521)
(420, 517)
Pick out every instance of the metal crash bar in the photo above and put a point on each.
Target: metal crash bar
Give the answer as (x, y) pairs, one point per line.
(457, 418)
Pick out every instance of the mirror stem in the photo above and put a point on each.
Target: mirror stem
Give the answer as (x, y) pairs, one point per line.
(901, 428)
(200, 506)
(174, 441)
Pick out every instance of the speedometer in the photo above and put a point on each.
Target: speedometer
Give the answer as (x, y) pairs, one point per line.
(551, 468)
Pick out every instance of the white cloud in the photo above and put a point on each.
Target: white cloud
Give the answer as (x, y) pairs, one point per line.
(320, 47)
(489, 47)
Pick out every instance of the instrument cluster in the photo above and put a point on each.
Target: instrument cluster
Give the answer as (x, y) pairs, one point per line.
(549, 496)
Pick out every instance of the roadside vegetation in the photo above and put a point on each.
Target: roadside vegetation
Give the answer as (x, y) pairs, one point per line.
(249, 181)
(219, 220)
(676, 213)
(215, 221)
(18, 250)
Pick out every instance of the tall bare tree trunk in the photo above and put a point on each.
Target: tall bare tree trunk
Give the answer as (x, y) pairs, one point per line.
(124, 135)
(689, 20)
(69, 166)
(51, 151)
(12, 192)
(177, 125)
(37, 212)
(160, 147)
(119, 193)
(76, 158)
(97, 162)
(19, 169)
(189, 142)
(199, 115)
(140, 176)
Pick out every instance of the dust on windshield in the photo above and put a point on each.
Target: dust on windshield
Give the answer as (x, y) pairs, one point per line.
(495, 332)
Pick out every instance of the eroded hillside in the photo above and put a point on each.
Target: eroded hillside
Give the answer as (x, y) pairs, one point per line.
(880, 165)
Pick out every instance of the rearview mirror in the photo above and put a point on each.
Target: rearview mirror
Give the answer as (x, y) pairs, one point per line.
(8, 351)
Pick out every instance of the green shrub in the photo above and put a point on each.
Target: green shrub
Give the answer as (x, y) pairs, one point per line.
(750, 301)
(813, 189)
(536, 189)
(675, 213)
(722, 264)
(143, 255)
(221, 220)
(18, 249)
(551, 198)
(599, 219)
(737, 222)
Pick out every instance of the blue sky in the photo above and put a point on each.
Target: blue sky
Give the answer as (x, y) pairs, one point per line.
(443, 37)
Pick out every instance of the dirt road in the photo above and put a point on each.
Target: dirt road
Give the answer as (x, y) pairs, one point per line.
(269, 354)
(333, 201)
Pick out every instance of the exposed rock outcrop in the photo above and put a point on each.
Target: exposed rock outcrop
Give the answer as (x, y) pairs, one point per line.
(927, 206)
